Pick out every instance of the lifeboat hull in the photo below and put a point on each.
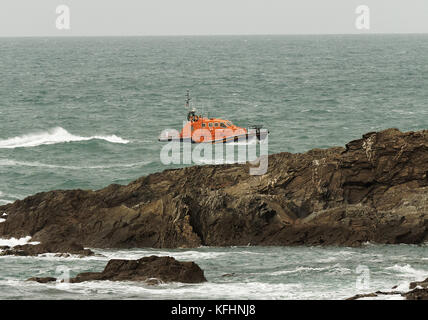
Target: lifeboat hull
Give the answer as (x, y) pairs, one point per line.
(259, 135)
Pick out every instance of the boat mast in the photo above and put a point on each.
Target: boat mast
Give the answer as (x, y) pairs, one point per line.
(190, 113)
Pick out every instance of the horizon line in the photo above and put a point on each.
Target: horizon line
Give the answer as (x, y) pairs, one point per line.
(214, 35)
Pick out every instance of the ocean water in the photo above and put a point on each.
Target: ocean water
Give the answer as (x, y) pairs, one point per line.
(86, 112)
(232, 273)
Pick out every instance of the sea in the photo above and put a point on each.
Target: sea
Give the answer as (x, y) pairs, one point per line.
(86, 112)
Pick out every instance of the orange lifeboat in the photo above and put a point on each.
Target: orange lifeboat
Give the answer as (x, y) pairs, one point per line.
(199, 129)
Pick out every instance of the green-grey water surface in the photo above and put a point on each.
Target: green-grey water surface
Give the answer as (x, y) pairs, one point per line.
(86, 112)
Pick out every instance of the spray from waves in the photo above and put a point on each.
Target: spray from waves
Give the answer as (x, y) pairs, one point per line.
(12, 242)
(12, 163)
(52, 136)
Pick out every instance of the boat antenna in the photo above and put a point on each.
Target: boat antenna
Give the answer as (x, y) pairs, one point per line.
(188, 99)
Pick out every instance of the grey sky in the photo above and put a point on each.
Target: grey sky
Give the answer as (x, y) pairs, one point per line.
(206, 17)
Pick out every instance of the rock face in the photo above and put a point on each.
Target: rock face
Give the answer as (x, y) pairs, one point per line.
(165, 269)
(375, 189)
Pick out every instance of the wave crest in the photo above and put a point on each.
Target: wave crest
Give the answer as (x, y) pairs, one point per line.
(52, 136)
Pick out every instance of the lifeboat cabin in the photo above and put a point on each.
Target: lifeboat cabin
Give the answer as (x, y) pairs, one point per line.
(199, 129)
(214, 130)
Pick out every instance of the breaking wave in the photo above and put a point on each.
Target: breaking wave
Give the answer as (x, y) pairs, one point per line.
(52, 136)
(408, 271)
(11, 163)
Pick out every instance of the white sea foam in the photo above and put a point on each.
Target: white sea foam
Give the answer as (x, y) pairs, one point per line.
(384, 297)
(138, 253)
(297, 270)
(209, 290)
(12, 242)
(336, 269)
(408, 271)
(52, 136)
(11, 163)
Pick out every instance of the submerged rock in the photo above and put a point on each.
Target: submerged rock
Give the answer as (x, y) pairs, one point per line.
(375, 189)
(42, 280)
(374, 295)
(152, 270)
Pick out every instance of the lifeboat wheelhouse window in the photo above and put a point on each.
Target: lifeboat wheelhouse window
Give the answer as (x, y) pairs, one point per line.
(216, 125)
(204, 125)
(210, 124)
(223, 125)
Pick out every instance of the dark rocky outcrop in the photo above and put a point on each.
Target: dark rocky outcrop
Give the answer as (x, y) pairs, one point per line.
(375, 294)
(42, 280)
(47, 247)
(152, 270)
(419, 292)
(416, 294)
(423, 284)
(164, 269)
(375, 189)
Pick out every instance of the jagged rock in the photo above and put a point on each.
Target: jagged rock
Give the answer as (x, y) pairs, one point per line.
(152, 270)
(375, 189)
(423, 284)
